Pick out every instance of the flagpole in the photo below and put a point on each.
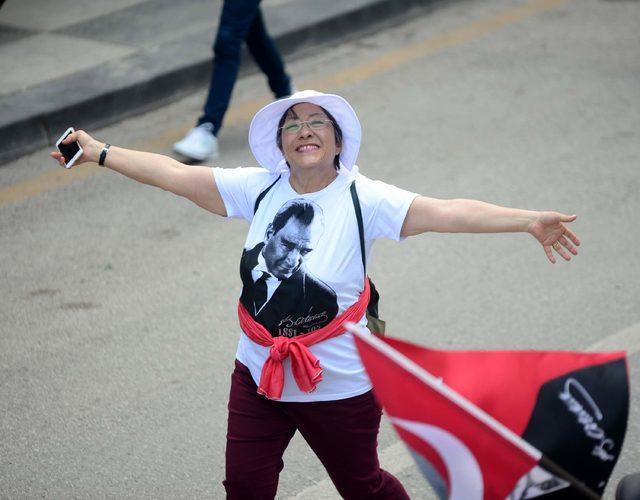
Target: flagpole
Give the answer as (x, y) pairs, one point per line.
(439, 386)
(582, 488)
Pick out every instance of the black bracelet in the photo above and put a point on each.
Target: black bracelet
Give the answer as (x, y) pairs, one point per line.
(103, 154)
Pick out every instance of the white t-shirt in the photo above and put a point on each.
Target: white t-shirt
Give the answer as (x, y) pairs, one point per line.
(302, 265)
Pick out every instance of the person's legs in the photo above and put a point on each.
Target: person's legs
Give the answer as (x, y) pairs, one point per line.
(235, 20)
(267, 57)
(343, 434)
(258, 432)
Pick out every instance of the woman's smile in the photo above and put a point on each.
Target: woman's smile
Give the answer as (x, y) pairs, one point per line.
(304, 148)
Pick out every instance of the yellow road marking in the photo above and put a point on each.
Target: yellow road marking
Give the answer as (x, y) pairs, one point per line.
(242, 113)
(45, 182)
(436, 44)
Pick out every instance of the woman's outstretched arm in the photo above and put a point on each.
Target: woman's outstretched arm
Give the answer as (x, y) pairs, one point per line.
(194, 183)
(471, 216)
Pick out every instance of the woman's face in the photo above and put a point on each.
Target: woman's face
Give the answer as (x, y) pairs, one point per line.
(309, 148)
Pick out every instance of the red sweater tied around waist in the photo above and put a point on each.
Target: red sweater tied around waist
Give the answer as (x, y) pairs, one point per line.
(305, 367)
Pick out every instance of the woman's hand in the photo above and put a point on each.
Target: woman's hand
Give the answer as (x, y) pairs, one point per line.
(90, 148)
(549, 230)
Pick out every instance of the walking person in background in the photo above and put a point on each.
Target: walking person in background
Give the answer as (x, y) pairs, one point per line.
(313, 219)
(240, 21)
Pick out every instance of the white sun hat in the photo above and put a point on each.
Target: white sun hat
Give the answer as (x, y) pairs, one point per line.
(262, 132)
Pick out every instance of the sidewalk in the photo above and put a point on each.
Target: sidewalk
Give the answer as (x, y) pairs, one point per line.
(92, 63)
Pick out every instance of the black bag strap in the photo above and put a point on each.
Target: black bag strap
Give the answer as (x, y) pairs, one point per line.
(263, 194)
(373, 319)
(356, 206)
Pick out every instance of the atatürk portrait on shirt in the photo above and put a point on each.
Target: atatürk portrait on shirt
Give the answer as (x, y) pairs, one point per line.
(278, 290)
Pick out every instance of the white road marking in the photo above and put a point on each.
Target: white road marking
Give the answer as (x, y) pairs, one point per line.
(627, 339)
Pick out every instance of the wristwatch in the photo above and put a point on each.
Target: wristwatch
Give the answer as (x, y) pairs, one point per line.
(103, 154)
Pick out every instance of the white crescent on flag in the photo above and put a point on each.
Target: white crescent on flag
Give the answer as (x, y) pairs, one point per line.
(465, 477)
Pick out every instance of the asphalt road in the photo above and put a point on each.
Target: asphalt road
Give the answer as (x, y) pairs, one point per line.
(117, 318)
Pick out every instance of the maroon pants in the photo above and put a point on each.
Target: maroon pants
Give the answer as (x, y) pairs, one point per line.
(343, 434)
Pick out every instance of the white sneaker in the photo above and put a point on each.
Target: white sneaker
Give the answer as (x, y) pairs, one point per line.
(199, 143)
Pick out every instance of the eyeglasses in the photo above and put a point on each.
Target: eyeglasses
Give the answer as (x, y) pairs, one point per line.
(295, 127)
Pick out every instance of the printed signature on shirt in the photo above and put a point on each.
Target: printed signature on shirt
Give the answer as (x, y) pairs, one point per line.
(290, 326)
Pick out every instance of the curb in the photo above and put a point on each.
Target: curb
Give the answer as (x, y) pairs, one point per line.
(143, 81)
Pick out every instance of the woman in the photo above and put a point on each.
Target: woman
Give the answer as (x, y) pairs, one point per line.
(313, 218)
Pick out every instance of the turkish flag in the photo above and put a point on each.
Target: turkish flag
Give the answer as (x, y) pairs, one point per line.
(498, 424)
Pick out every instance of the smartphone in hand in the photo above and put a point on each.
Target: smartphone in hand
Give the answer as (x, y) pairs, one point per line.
(71, 152)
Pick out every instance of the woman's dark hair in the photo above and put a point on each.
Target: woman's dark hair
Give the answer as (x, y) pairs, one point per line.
(337, 132)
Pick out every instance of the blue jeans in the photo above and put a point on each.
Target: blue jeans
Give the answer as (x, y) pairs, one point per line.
(241, 21)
